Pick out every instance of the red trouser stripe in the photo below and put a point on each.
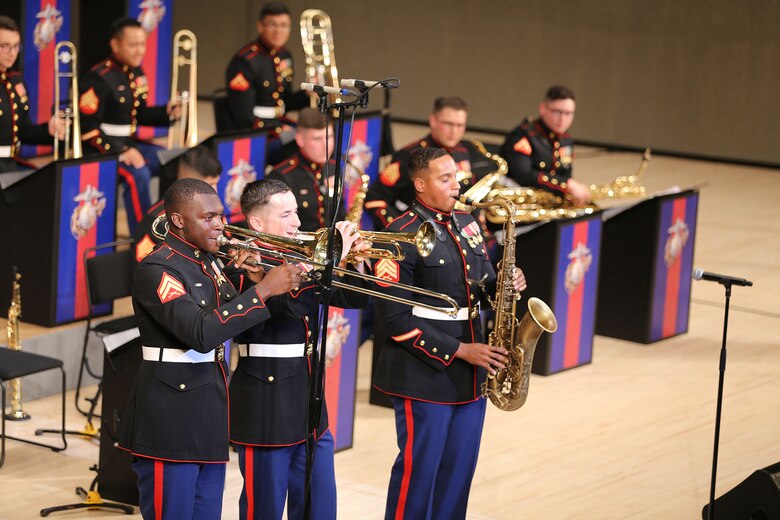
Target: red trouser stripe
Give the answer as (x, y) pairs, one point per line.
(249, 481)
(130, 180)
(158, 489)
(399, 512)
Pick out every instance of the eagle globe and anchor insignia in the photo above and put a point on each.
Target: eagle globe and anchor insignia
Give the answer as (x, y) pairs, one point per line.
(152, 13)
(241, 174)
(580, 259)
(675, 242)
(91, 204)
(49, 24)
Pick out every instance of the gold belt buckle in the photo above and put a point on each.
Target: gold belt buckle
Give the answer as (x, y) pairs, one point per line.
(474, 312)
(221, 353)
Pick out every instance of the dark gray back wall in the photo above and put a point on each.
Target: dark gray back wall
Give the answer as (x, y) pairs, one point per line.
(698, 77)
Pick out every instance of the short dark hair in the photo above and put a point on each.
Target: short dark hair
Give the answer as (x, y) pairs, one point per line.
(419, 159)
(557, 92)
(258, 193)
(453, 102)
(201, 160)
(9, 24)
(183, 192)
(273, 9)
(311, 118)
(117, 28)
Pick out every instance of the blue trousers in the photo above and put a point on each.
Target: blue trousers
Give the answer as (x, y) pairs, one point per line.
(273, 474)
(136, 183)
(179, 490)
(438, 444)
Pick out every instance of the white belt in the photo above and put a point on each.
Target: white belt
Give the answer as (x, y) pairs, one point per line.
(116, 130)
(175, 355)
(422, 312)
(286, 350)
(268, 112)
(5, 151)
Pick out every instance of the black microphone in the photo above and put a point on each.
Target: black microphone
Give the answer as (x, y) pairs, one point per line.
(364, 84)
(698, 274)
(324, 89)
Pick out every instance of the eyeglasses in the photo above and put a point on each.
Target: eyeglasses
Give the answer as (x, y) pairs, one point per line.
(271, 26)
(7, 47)
(560, 113)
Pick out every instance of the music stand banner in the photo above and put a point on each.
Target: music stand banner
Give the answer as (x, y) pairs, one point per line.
(673, 266)
(87, 218)
(46, 23)
(362, 148)
(156, 18)
(341, 373)
(574, 300)
(243, 161)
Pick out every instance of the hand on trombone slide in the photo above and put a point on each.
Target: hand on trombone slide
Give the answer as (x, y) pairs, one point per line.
(57, 125)
(174, 108)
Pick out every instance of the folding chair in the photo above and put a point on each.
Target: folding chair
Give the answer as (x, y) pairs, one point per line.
(109, 277)
(222, 116)
(15, 363)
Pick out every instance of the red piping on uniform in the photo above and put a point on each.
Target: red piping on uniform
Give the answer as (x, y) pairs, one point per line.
(249, 481)
(408, 451)
(158, 489)
(130, 180)
(423, 400)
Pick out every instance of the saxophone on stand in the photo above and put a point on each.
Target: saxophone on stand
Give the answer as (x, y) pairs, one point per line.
(14, 343)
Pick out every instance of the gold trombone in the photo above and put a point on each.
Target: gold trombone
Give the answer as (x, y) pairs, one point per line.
(317, 39)
(185, 47)
(65, 66)
(424, 240)
(307, 250)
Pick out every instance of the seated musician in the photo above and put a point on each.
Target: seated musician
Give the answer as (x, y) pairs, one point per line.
(196, 163)
(540, 153)
(392, 192)
(305, 172)
(432, 364)
(113, 104)
(269, 388)
(15, 124)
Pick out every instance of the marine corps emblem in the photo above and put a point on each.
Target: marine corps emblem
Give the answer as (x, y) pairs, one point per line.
(359, 158)
(49, 24)
(338, 332)
(90, 207)
(152, 13)
(240, 175)
(675, 242)
(580, 259)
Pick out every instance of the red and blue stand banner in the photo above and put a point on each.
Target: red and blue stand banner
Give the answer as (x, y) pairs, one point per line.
(156, 18)
(673, 266)
(46, 23)
(243, 161)
(574, 294)
(87, 218)
(362, 150)
(341, 373)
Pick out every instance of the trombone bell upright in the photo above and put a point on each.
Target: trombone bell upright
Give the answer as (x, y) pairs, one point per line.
(184, 88)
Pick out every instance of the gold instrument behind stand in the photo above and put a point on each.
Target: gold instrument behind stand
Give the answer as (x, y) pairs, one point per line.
(15, 343)
(483, 186)
(317, 39)
(355, 211)
(508, 388)
(66, 66)
(184, 88)
(533, 204)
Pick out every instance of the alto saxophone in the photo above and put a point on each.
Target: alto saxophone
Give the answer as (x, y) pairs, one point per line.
(508, 388)
(14, 343)
(355, 211)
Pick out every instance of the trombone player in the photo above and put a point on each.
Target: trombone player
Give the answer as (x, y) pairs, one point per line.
(269, 388)
(432, 363)
(15, 124)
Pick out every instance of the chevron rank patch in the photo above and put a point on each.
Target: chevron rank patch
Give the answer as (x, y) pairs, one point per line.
(387, 269)
(523, 146)
(170, 288)
(88, 102)
(239, 83)
(390, 174)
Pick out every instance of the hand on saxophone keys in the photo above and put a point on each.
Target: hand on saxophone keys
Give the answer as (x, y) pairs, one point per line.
(483, 355)
(518, 280)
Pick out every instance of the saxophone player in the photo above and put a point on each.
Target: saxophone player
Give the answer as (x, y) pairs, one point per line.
(433, 364)
(306, 173)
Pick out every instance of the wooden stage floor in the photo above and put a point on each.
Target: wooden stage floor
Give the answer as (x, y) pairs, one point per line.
(628, 436)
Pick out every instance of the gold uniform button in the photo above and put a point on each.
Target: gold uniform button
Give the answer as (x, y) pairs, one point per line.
(306, 319)
(434, 350)
(446, 356)
(276, 59)
(457, 238)
(305, 204)
(224, 313)
(182, 386)
(254, 300)
(308, 333)
(270, 379)
(275, 95)
(542, 164)
(464, 252)
(422, 343)
(122, 100)
(468, 267)
(239, 306)
(473, 297)
(441, 260)
(322, 210)
(557, 144)
(203, 302)
(266, 83)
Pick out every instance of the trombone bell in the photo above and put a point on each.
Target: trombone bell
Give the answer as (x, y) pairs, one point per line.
(184, 87)
(65, 68)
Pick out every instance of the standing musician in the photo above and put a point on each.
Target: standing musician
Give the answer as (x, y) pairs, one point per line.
(176, 423)
(259, 77)
(433, 363)
(15, 124)
(113, 104)
(392, 192)
(269, 388)
(306, 174)
(540, 153)
(196, 163)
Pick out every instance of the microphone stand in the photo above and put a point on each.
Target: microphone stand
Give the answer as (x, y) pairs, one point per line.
(317, 380)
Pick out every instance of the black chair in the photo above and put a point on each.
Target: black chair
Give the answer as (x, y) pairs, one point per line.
(223, 119)
(109, 277)
(15, 363)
